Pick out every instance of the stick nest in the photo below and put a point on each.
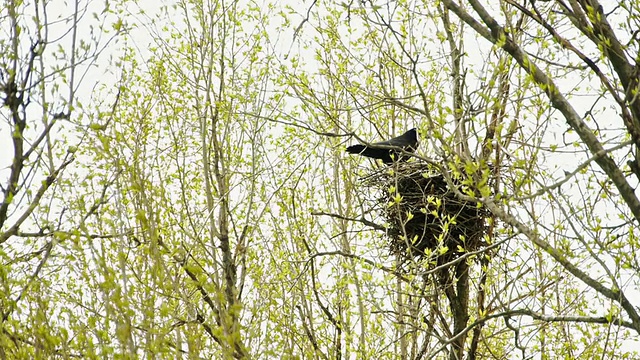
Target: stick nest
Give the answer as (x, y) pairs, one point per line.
(429, 220)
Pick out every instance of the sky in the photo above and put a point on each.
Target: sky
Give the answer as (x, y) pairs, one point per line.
(98, 80)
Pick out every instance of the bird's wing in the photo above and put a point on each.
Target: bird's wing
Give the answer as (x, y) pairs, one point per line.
(370, 151)
(406, 140)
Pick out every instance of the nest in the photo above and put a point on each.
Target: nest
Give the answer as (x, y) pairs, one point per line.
(429, 220)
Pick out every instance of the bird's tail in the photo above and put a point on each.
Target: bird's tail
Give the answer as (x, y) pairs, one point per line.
(356, 149)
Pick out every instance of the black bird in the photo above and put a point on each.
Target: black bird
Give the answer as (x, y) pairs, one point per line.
(383, 150)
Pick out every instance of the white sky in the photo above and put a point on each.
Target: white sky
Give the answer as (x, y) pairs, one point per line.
(105, 74)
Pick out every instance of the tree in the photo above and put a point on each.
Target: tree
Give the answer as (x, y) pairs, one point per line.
(491, 114)
(47, 56)
(190, 145)
(204, 207)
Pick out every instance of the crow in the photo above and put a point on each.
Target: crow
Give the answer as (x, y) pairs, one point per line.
(384, 150)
